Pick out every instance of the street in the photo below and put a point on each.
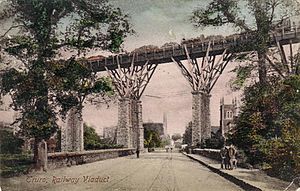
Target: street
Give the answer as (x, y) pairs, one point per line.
(152, 171)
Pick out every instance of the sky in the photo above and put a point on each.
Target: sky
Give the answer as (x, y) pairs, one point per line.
(157, 22)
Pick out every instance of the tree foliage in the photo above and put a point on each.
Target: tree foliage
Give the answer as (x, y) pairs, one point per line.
(48, 79)
(176, 136)
(268, 127)
(10, 143)
(152, 138)
(187, 136)
(92, 140)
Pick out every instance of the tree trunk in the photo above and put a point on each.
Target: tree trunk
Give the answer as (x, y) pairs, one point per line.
(35, 150)
(36, 153)
(263, 28)
(262, 69)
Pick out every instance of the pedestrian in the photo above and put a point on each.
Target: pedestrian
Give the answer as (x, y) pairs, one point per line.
(232, 156)
(223, 157)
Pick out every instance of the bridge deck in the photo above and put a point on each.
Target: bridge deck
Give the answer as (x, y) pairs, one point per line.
(196, 48)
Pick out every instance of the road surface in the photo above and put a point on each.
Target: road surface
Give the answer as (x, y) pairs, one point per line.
(158, 171)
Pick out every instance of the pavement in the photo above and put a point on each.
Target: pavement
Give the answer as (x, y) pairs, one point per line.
(157, 171)
(246, 178)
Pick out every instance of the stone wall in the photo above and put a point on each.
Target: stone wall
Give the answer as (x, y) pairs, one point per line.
(215, 154)
(63, 159)
(209, 153)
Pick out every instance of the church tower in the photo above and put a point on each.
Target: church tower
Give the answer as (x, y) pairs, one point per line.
(227, 114)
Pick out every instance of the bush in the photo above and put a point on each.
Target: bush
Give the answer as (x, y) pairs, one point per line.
(152, 139)
(9, 143)
(92, 140)
(267, 128)
(14, 165)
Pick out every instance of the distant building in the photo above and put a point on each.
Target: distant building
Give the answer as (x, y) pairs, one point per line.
(110, 132)
(228, 113)
(158, 127)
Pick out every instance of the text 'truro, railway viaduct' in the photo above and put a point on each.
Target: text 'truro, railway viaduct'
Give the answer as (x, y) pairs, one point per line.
(205, 61)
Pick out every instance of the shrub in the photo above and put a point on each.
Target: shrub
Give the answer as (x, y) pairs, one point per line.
(268, 127)
(10, 143)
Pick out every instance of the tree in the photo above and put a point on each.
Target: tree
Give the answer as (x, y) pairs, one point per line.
(10, 143)
(267, 128)
(187, 136)
(151, 138)
(176, 136)
(49, 80)
(91, 138)
(165, 140)
(262, 15)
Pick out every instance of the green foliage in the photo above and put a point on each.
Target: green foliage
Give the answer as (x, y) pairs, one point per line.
(47, 83)
(220, 12)
(242, 74)
(217, 13)
(92, 140)
(10, 143)
(152, 138)
(72, 82)
(165, 141)
(187, 136)
(13, 165)
(176, 136)
(268, 126)
(215, 142)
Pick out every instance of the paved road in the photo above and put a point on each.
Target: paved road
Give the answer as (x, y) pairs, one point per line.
(157, 171)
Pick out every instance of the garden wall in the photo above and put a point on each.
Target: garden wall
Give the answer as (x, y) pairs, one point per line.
(209, 153)
(63, 159)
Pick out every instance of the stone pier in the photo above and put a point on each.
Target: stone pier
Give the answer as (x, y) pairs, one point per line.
(134, 118)
(130, 124)
(139, 129)
(196, 117)
(72, 132)
(202, 74)
(124, 129)
(206, 125)
(201, 127)
(130, 82)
